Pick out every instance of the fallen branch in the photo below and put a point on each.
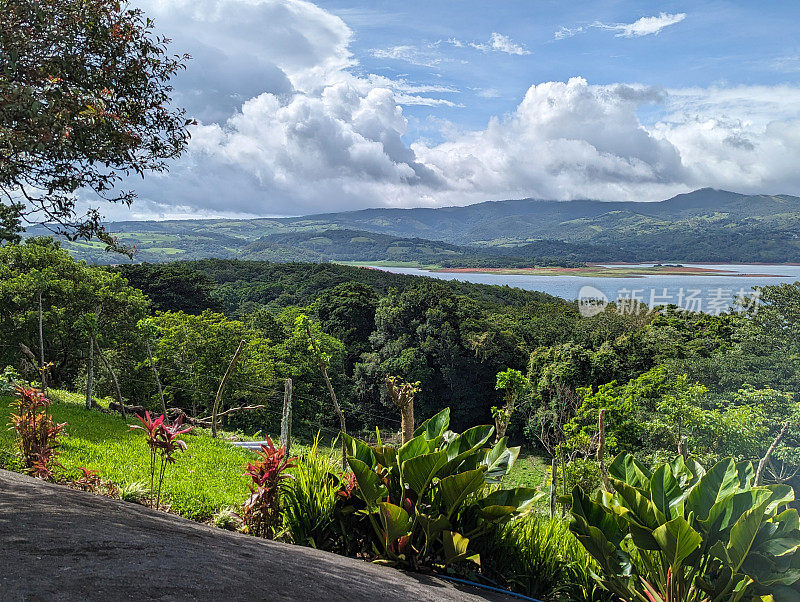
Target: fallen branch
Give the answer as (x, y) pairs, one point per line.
(125, 409)
(763, 462)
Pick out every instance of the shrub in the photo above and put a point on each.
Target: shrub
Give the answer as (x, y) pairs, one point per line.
(9, 380)
(262, 515)
(681, 533)
(36, 431)
(164, 443)
(538, 556)
(226, 518)
(427, 498)
(135, 492)
(309, 511)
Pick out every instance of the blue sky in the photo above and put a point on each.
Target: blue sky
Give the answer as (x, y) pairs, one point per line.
(309, 107)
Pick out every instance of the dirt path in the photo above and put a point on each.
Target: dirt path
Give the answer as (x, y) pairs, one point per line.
(61, 544)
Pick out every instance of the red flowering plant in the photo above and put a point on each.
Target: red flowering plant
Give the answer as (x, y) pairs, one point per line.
(261, 513)
(37, 432)
(164, 443)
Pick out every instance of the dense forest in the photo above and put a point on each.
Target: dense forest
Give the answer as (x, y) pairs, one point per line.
(721, 385)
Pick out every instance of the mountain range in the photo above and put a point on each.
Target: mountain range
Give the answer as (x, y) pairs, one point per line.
(706, 225)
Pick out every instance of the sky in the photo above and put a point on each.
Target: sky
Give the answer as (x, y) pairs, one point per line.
(338, 105)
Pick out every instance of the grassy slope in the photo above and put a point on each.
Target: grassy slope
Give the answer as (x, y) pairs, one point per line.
(206, 477)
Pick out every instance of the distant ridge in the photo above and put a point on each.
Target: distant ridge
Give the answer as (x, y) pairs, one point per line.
(705, 225)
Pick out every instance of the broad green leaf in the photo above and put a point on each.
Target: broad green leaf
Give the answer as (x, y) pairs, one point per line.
(666, 492)
(719, 482)
(727, 511)
(743, 533)
(413, 448)
(456, 488)
(630, 470)
(435, 426)
(499, 461)
(356, 448)
(396, 521)
(595, 515)
(385, 455)
(641, 508)
(432, 526)
(678, 540)
(418, 472)
(369, 484)
(496, 513)
(520, 498)
(456, 548)
(746, 473)
(469, 440)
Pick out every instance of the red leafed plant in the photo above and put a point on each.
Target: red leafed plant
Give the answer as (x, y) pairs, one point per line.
(89, 480)
(37, 433)
(164, 443)
(261, 514)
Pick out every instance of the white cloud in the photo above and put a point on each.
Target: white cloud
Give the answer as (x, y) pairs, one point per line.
(300, 133)
(642, 27)
(407, 53)
(497, 43)
(567, 32)
(647, 25)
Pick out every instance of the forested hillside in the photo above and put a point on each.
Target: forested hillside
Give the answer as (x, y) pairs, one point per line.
(702, 226)
(451, 337)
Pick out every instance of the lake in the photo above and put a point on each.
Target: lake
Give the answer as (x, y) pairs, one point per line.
(701, 293)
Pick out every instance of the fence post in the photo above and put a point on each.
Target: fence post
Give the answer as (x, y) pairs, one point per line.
(553, 486)
(286, 418)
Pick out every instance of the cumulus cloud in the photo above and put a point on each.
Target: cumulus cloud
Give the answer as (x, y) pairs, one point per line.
(288, 128)
(642, 27)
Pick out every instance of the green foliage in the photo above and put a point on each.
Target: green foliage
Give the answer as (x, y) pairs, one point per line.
(427, 498)
(684, 533)
(539, 557)
(86, 101)
(105, 443)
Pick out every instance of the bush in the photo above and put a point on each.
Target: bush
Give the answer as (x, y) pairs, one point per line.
(684, 533)
(427, 498)
(538, 556)
(262, 511)
(309, 509)
(37, 432)
(226, 518)
(135, 492)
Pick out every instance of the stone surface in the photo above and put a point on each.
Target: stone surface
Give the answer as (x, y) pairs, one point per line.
(60, 544)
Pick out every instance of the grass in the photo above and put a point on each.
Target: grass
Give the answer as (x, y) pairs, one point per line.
(529, 471)
(205, 478)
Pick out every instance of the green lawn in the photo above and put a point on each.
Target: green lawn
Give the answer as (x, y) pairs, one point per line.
(529, 471)
(206, 477)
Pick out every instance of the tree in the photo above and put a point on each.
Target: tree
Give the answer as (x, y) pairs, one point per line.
(84, 103)
(514, 385)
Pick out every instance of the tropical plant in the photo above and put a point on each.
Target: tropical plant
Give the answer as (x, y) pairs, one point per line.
(37, 432)
(226, 518)
(514, 385)
(135, 492)
(539, 556)
(427, 498)
(681, 533)
(262, 511)
(164, 443)
(312, 496)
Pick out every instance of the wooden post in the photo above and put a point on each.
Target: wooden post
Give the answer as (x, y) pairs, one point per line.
(553, 486)
(601, 450)
(286, 418)
(155, 374)
(218, 398)
(90, 375)
(42, 365)
(113, 377)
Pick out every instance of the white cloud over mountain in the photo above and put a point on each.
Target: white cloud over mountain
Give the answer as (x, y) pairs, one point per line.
(288, 127)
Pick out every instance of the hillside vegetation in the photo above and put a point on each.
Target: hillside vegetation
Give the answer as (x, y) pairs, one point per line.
(702, 226)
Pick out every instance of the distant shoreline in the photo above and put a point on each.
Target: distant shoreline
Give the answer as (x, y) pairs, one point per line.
(594, 270)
